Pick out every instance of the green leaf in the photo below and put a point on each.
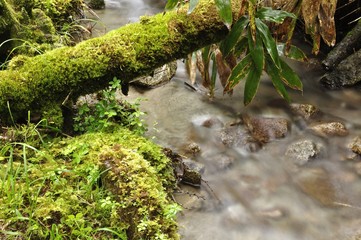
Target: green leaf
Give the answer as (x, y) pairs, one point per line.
(192, 5)
(225, 11)
(171, 4)
(252, 83)
(269, 14)
(268, 41)
(213, 75)
(256, 50)
(293, 53)
(238, 73)
(274, 73)
(253, 2)
(241, 46)
(232, 38)
(289, 77)
(206, 54)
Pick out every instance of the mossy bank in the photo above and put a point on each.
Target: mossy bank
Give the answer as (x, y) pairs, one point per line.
(105, 185)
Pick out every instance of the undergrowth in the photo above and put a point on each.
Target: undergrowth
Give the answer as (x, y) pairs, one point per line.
(108, 112)
(108, 183)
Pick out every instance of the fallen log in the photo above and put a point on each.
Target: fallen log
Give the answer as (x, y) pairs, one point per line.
(349, 44)
(41, 84)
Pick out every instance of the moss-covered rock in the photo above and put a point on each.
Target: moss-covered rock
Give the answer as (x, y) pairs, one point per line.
(93, 186)
(33, 27)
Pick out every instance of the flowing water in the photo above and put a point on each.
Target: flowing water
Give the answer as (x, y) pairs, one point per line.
(262, 194)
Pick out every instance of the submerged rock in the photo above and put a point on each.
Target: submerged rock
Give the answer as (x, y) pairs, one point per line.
(192, 148)
(237, 136)
(160, 76)
(265, 129)
(306, 111)
(329, 129)
(303, 151)
(212, 122)
(317, 184)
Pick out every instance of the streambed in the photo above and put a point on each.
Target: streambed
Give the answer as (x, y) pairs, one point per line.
(259, 194)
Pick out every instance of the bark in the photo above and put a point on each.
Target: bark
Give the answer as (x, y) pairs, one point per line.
(348, 45)
(35, 83)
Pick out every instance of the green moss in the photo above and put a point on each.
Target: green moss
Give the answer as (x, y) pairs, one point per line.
(52, 113)
(77, 187)
(128, 52)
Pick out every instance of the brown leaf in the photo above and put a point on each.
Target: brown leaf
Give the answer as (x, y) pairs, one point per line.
(203, 69)
(310, 9)
(327, 21)
(191, 68)
(223, 69)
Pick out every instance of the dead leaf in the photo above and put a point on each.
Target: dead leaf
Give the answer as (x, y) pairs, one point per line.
(327, 21)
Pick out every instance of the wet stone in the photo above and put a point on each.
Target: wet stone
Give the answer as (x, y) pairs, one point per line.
(237, 136)
(160, 76)
(356, 145)
(306, 111)
(192, 148)
(265, 129)
(192, 174)
(329, 129)
(212, 123)
(303, 151)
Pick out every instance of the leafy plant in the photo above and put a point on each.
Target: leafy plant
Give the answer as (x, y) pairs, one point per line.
(260, 52)
(109, 111)
(248, 50)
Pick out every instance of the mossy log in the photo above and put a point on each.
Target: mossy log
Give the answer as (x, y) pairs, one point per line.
(36, 83)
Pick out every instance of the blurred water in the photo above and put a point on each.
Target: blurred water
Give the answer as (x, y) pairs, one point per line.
(262, 195)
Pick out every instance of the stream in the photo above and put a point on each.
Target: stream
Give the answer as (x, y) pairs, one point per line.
(261, 194)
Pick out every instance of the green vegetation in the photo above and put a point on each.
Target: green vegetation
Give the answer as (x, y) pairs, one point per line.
(247, 51)
(109, 112)
(109, 183)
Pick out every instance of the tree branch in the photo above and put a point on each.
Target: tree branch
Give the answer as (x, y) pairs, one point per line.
(35, 83)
